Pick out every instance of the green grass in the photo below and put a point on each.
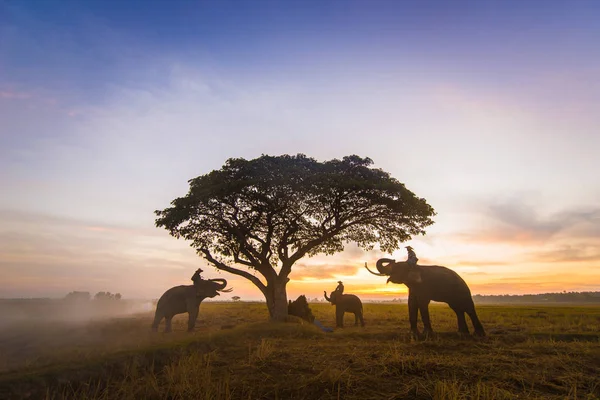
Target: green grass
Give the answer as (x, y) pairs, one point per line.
(537, 352)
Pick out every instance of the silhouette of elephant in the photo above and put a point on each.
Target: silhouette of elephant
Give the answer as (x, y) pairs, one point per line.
(300, 309)
(186, 298)
(431, 282)
(346, 303)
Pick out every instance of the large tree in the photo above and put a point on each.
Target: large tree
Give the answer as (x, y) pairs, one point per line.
(264, 215)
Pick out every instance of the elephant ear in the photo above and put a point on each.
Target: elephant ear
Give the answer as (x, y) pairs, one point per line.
(414, 276)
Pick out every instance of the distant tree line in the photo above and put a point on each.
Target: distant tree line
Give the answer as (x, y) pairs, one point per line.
(564, 297)
(86, 296)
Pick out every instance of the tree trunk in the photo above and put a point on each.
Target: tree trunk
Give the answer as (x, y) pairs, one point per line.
(276, 297)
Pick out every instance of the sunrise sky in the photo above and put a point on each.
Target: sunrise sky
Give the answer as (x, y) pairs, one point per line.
(490, 110)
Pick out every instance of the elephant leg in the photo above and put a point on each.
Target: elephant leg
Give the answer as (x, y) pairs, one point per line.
(168, 319)
(356, 318)
(462, 322)
(479, 331)
(339, 316)
(424, 309)
(360, 317)
(413, 314)
(192, 317)
(157, 318)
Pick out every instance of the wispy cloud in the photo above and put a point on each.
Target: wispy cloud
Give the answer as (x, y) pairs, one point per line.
(335, 270)
(587, 253)
(519, 223)
(13, 95)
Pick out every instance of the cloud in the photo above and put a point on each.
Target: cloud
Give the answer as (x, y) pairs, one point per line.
(19, 219)
(479, 263)
(14, 95)
(589, 252)
(335, 270)
(43, 254)
(519, 223)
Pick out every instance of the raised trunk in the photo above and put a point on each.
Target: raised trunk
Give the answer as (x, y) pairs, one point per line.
(276, 297)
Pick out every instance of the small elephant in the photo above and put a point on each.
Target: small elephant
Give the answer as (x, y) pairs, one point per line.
(300, 308)
(346, 303)
(186, 298)
(431, 282)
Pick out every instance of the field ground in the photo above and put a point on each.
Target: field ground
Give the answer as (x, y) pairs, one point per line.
(533, 352)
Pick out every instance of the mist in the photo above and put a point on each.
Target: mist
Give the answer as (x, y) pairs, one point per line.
(43, 311)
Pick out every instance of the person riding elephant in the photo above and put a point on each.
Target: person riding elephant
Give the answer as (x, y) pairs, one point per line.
(198, 280)
(414, 273)
(412, 256)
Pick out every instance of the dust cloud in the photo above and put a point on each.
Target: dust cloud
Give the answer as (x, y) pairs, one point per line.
(40, 331)
(15, 311)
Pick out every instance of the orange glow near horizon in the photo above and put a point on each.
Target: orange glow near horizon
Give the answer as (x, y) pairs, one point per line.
(52, 258)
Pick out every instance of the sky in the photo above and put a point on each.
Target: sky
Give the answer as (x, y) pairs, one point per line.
(487, 109)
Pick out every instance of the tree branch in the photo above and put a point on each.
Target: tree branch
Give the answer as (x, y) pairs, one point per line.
(235, 271)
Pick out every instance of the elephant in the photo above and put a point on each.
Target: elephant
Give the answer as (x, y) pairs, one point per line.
(186, 298)
(300, 308)
(431, 282)
(346, 303)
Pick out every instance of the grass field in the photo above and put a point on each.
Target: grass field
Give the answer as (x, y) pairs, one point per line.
(537, 352)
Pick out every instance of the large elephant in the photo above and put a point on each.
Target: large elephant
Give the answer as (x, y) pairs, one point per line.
(186, 298)
(431, 282)
(346, 303)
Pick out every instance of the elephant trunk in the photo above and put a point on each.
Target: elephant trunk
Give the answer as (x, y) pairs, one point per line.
(384, 270)
(384, 265)
(220, 284)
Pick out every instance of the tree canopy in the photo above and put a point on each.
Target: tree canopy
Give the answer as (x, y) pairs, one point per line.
(267, 213)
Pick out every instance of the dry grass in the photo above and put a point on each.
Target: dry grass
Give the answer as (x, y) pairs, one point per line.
(530, 352)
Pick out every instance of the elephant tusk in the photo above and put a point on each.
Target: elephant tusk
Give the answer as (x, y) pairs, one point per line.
(374, 273)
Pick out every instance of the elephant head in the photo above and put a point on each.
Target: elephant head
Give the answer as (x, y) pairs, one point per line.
(398, 272)
(334, 297)
(212, 287)
(300, 308)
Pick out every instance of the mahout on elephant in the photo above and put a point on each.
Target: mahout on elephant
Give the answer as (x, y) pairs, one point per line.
(428, 283)
(345, 303)
(186, 299)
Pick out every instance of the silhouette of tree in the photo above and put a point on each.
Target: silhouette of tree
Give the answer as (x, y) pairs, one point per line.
(235, 298)
(78, 296)
(267, 213)
(107, 296)
(560, 297)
